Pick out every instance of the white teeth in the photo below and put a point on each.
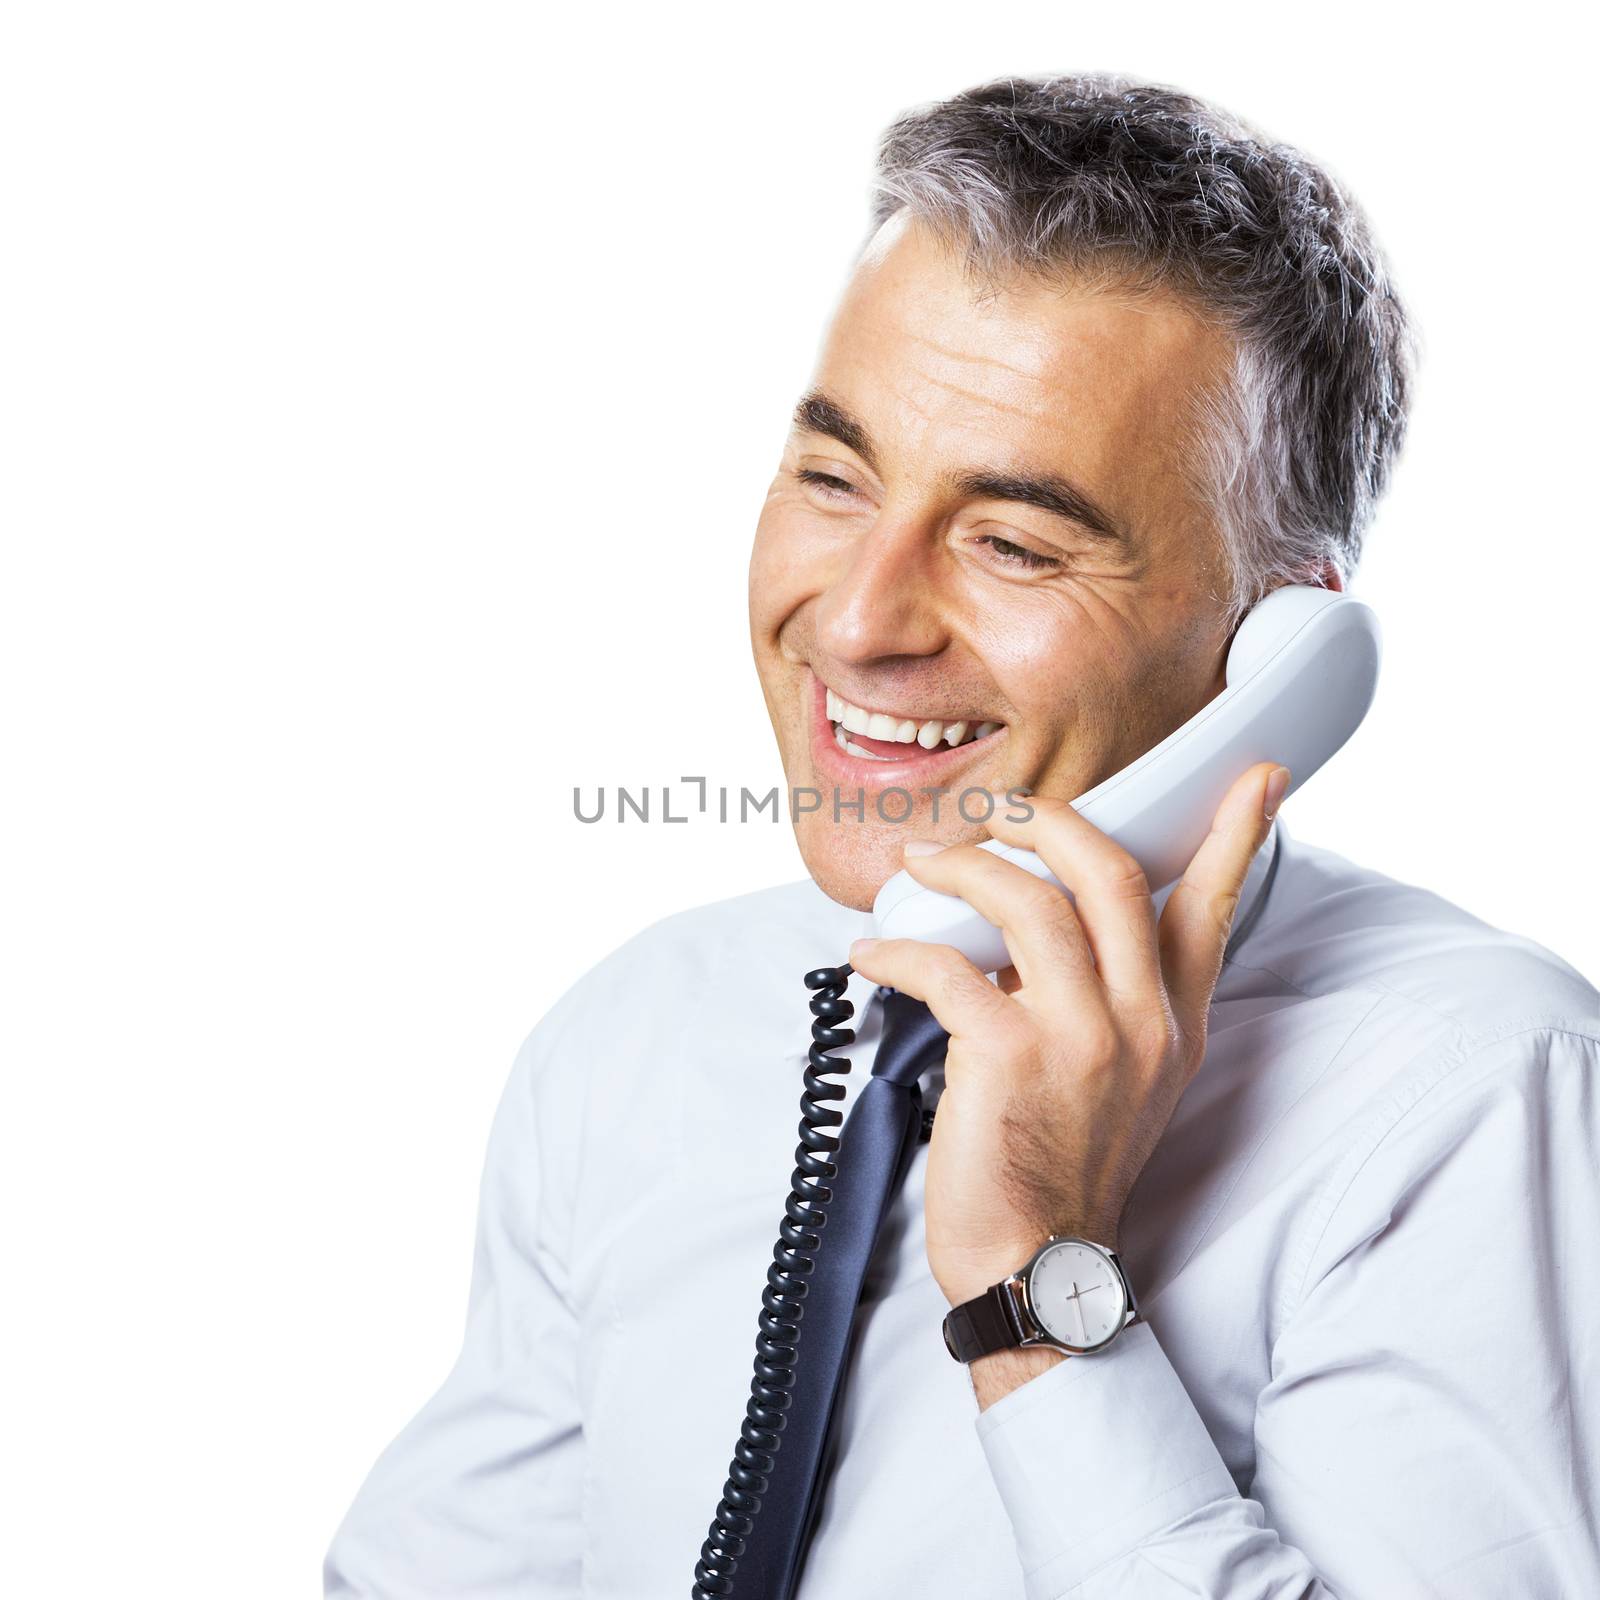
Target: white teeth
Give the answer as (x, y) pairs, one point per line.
(928, 732)
(850, 747)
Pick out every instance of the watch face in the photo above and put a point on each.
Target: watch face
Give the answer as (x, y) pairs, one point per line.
(1076, 1295)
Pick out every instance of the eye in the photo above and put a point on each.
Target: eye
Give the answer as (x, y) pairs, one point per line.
(825, 484)
(1017, 555)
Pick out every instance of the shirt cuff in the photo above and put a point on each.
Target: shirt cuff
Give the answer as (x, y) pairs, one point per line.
(1096, 1455)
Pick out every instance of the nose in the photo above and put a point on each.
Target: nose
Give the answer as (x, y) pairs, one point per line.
(885, 599)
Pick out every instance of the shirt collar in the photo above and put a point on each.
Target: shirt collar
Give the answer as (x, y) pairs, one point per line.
(1252, 894)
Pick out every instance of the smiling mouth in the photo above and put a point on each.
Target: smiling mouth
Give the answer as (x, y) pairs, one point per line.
(882, 736)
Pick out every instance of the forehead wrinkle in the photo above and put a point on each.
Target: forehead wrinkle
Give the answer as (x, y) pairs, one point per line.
(983, 402)
(968, 357)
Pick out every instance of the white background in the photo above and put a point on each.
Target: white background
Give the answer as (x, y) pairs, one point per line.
(389, 392)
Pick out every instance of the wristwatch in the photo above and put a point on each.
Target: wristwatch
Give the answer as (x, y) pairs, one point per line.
(1072, 1296)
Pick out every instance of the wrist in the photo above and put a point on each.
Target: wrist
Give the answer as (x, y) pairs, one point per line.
(995, 1376)
(1070, 1297)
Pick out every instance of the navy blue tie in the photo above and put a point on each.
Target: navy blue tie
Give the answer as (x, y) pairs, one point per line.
(875, 1148)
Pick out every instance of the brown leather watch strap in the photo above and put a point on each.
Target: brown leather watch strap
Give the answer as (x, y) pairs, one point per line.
(982, 1326)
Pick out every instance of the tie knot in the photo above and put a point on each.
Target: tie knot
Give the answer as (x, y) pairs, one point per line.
(912, 1041)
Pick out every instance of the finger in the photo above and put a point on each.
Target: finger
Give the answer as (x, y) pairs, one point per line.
(964, 1003)
(1109, 886)
(1041, 929)
(1199, 912)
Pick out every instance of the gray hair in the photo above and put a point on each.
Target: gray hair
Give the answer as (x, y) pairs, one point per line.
(1150, 188)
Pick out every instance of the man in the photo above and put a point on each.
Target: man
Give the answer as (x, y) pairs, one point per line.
(1109, 369)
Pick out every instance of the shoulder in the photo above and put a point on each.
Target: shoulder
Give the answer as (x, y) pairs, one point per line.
(1469, 1056)
(741, 945)
(721, 972)
(609, 1086)
(1332, 926)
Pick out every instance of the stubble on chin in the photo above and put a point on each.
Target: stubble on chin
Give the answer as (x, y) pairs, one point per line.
(851, 868)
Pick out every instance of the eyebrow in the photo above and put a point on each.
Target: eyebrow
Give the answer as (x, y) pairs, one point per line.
(1048, 491)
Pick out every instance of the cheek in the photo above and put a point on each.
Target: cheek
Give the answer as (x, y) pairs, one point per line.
(778, 575)
(1093, 686)
(1059, 661)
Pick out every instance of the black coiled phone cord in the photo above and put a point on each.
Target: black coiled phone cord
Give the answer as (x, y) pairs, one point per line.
(783, 1299)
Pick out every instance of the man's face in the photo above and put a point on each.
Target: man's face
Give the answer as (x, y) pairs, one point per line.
(982, 526)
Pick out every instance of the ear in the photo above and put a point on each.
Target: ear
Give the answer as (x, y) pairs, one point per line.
(1327, 577)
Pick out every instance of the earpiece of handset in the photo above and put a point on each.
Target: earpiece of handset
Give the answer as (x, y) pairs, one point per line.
(1300, 676)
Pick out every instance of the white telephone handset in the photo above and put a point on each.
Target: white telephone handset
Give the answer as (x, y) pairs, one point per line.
(1300, 676)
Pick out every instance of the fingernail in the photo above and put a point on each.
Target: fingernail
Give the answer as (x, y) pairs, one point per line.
(921, 847)
(1276, 784)
(862, 947)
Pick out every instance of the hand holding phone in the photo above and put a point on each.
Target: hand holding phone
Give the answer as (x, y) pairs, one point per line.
(1060, 1078)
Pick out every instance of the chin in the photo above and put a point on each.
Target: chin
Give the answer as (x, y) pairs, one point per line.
(850, 862)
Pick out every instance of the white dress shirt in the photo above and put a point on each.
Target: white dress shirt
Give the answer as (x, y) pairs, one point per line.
(1366, 1250)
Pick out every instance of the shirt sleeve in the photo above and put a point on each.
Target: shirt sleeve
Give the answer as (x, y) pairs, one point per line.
(1429, 1424)
(478, 1495)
